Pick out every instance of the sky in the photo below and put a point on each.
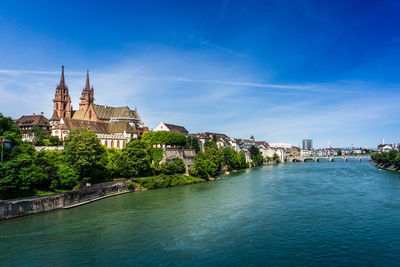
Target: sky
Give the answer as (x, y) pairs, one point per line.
(282, 70)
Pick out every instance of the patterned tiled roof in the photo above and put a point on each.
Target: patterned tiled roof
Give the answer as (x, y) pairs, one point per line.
(94, 126)
(106, 112)
(97, 127)
(32, 120)
(79, 114)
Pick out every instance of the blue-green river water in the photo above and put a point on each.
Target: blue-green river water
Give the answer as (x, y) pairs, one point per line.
(318, 214)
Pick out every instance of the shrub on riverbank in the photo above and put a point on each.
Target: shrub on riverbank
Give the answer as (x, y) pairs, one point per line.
(389, 158)
(163, 181)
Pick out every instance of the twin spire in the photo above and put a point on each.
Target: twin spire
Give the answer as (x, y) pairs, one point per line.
(87, 97)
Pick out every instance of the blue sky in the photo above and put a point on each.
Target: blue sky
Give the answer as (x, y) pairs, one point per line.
(280, 70)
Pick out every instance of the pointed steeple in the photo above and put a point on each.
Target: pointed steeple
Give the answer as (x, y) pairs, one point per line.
(62, 100)
(87, 97)
(62, 81)
(87, 86)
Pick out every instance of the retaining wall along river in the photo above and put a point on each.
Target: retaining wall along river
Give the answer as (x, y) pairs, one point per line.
(27, 206)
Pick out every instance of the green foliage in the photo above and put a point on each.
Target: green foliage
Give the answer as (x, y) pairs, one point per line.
(175, 167)
(40, 136)
(256, 156)
(156, 155)
(54, 140)
(130, 186)
(203, 167)
(240, 161)
(164, 138)
(210, 144)
(228, 158)
(179, 165)
(9, 130)
(136, 159)
(84, 152)
(276, 157)
(388, 158)
(192, 143)
(67, 176)
(163, 181)
(339, 153)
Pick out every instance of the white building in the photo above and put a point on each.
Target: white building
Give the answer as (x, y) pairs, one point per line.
(171, 128)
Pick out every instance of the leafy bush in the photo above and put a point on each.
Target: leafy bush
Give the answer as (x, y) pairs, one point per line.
(163, 181)
(164, 138)
(67, 176)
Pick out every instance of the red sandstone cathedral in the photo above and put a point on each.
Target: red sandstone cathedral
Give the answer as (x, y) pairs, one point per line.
(114, 126)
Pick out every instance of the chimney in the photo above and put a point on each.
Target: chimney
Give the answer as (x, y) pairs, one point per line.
(383, 140)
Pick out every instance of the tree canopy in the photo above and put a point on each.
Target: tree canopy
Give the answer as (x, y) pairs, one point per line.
(164, 138)
(9, 130)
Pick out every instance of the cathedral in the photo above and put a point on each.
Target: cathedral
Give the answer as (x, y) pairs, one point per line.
(114, 126)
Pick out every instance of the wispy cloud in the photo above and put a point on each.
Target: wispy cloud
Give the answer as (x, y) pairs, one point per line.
(221, 99)
(224, 49)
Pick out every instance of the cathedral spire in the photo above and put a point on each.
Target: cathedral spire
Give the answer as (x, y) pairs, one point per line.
(62, 100)
(87, 97)
(87, 86)
(62, 81)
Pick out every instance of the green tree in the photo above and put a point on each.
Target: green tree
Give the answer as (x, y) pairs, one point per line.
(164, 138)
(9, 130)
(256, 156)
(39, 135)
(137, 159)
(210, 144)
(192, 143)
(228, 157)
(48, 161)
(339, 153)
(241, 160)
(179, 165)
(54, 140)
(276, 157)
(203, 167)
(68, 177)
(84, 152)
(15, 176)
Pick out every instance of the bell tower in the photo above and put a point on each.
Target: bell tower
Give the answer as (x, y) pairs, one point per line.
(87, 97)
(62, 101)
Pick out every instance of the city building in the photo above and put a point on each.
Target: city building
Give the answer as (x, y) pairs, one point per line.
(171, 128)
(307, 144)
(26, 122)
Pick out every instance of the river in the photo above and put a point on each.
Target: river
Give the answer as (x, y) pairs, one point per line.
(340, 213)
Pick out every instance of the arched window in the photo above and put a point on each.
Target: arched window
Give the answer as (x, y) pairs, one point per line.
(90, 114)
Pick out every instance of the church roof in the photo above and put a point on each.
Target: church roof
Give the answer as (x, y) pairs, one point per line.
(120, 127)
(79, 114)
(55, 116)
(107, 113)
(96, 126)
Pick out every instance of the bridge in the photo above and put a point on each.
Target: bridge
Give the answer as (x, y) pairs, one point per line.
(329, 158)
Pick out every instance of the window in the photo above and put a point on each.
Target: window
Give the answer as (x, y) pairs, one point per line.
(90, 114)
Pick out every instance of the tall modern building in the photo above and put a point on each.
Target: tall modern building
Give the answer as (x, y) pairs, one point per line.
(307, 144)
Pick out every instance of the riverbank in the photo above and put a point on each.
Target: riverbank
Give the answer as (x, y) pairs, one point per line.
(385, 166)
(10, 209)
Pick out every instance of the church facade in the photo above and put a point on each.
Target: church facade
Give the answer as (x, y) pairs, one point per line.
(114, 126)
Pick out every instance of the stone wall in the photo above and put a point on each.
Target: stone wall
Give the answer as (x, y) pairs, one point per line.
(27, 206)
(187, 155)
